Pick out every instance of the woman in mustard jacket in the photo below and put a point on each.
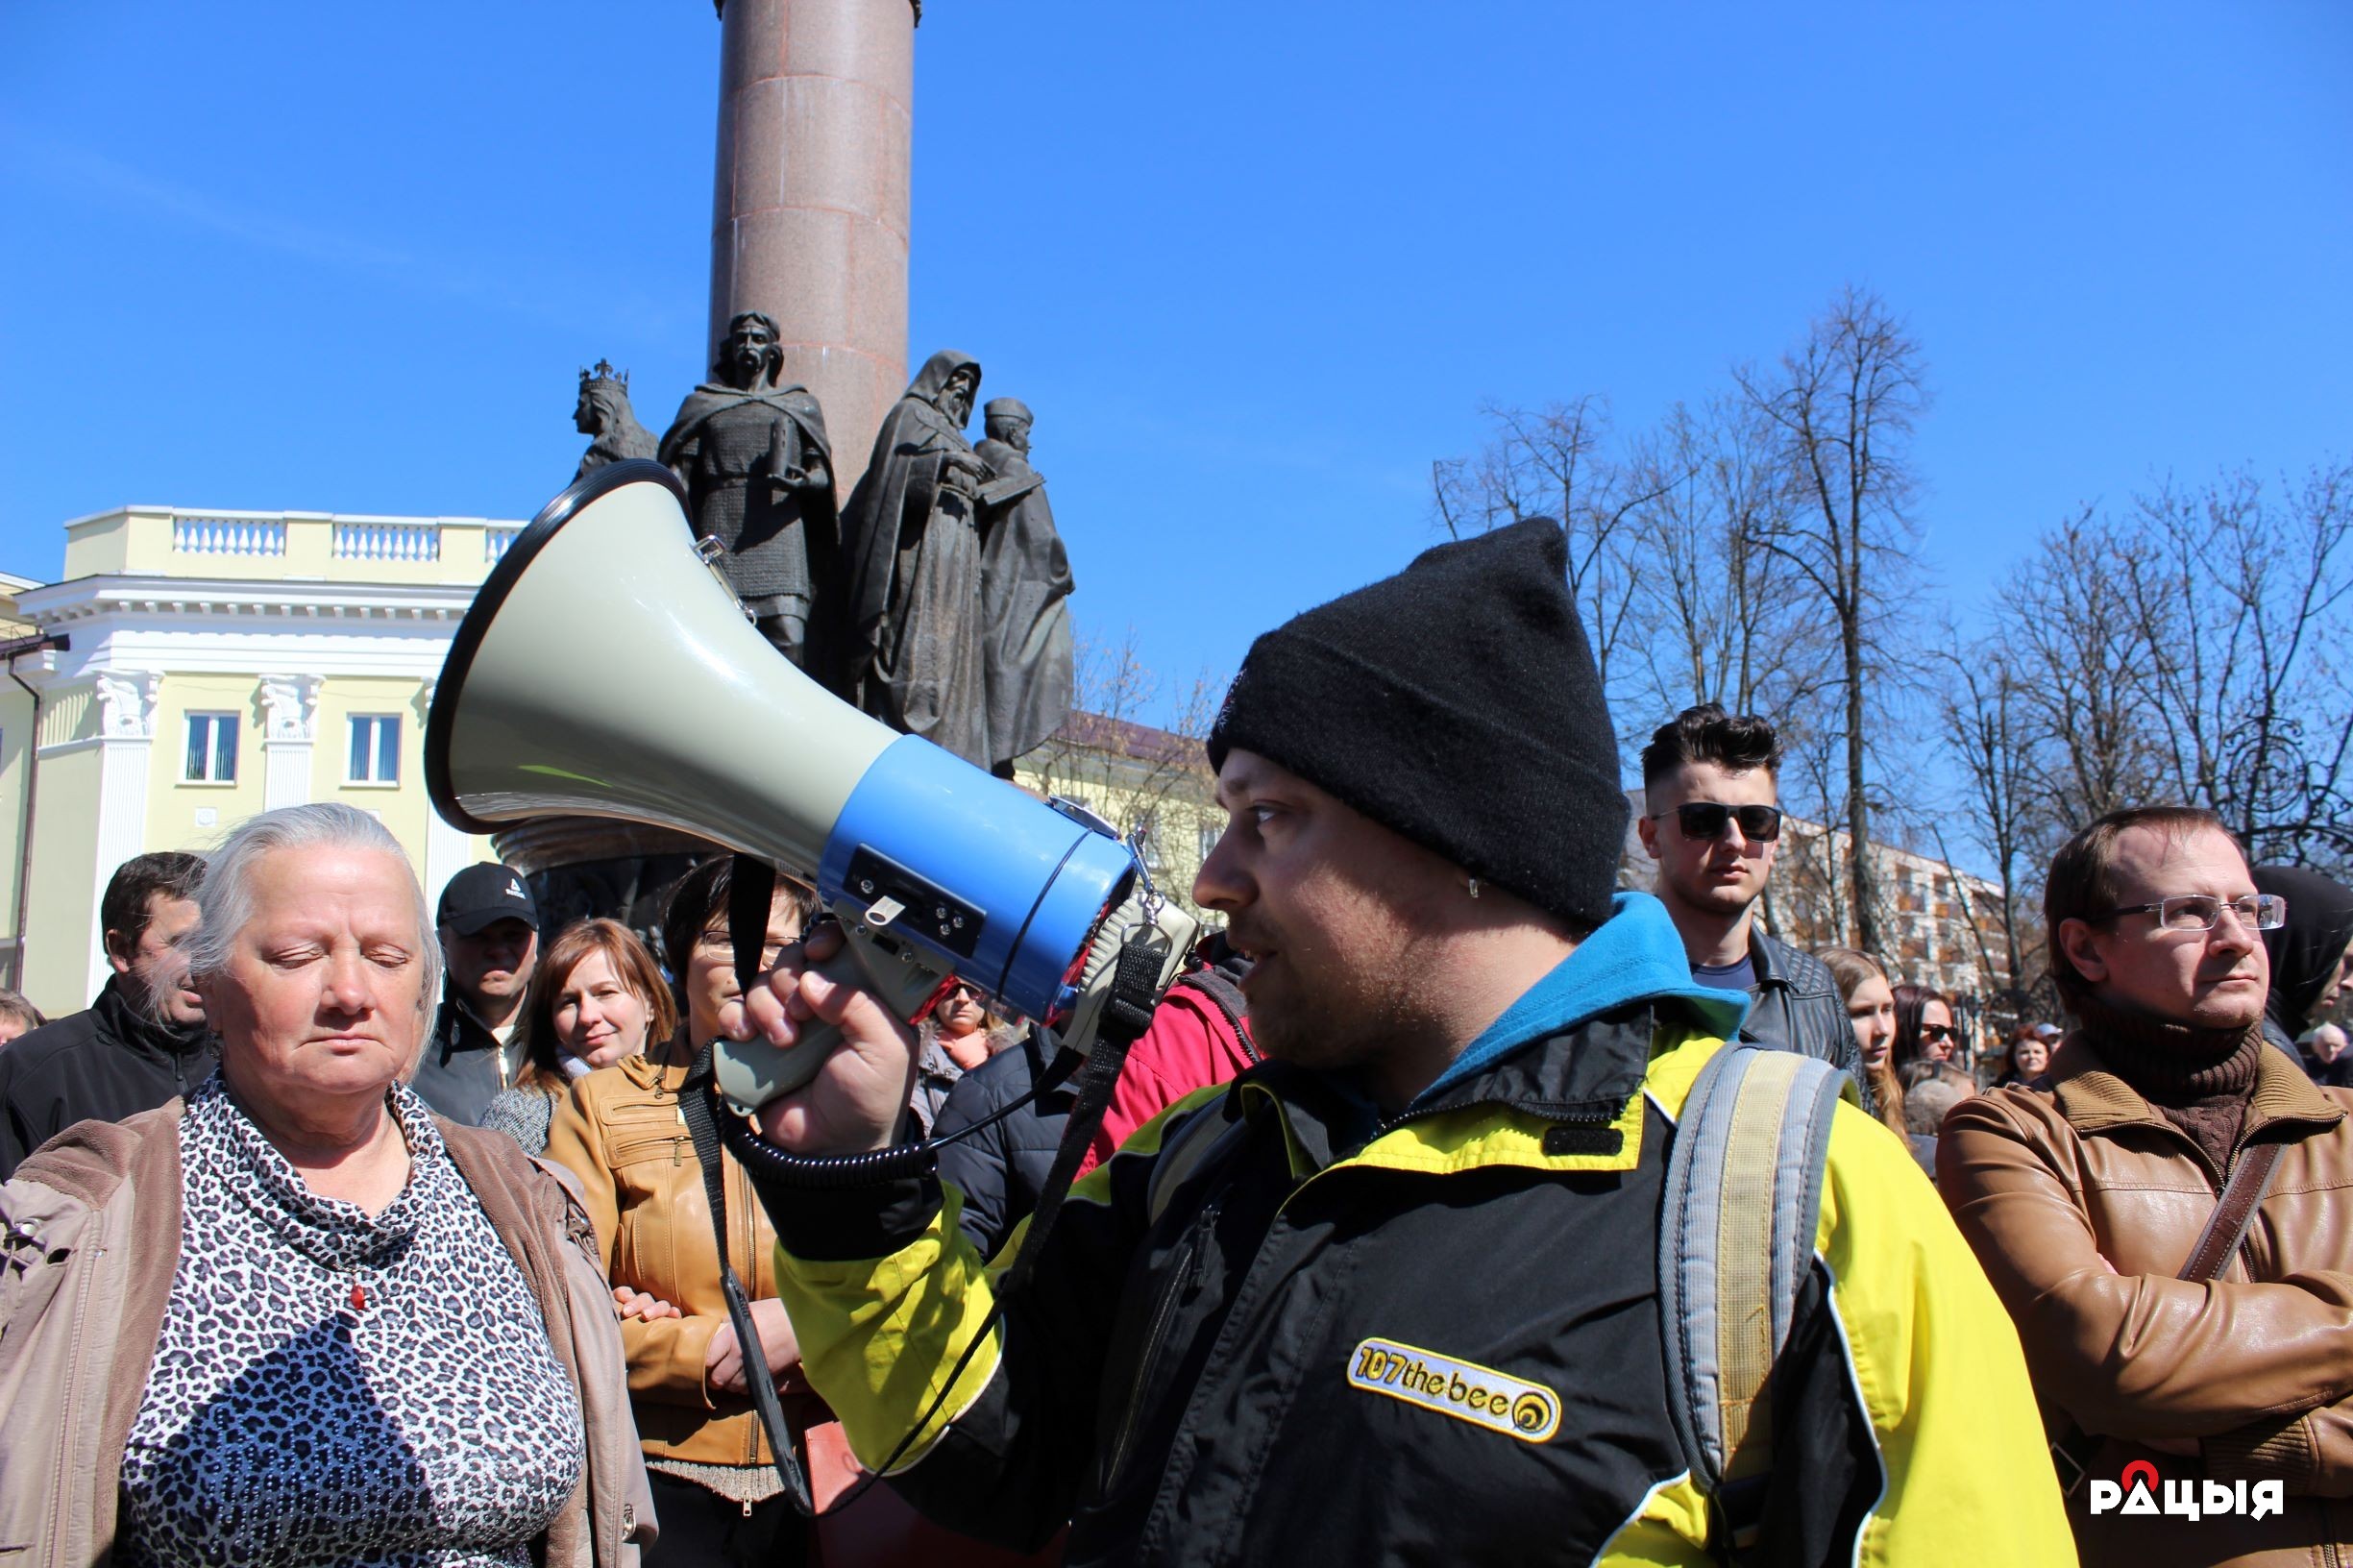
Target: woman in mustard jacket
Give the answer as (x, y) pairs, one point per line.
(619, 1130)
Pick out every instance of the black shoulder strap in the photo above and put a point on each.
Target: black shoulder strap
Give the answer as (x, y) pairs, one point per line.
(695, 1107)
(750, 890)
(1126, 1016)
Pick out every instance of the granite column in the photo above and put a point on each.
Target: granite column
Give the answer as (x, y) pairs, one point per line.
(809, 205)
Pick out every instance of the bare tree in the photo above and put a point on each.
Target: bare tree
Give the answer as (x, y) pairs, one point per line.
(1729, 621)
(2234, 589)
(2079, 647)
(1843, 405)
(1985, 727)
(1108, 756)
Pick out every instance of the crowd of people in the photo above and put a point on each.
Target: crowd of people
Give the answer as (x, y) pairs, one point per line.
(335, 1233)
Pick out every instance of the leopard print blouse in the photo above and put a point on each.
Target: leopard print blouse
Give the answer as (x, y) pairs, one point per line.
(332, 1388)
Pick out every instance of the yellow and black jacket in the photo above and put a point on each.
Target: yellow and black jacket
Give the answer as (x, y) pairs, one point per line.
(1275, 1329)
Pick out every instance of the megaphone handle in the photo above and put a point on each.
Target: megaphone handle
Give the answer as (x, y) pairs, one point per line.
(750, 1073)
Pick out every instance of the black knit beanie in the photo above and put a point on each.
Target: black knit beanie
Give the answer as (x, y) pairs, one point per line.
(1454, 703)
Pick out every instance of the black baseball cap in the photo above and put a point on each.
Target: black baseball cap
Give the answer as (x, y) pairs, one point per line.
(484, 894)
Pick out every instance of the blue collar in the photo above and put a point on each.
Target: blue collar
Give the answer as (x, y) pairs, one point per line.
(1635, 956)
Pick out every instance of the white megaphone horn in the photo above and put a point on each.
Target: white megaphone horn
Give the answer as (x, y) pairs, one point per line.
(605, 669)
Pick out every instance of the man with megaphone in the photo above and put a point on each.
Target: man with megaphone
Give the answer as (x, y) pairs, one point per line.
(1479, 1267)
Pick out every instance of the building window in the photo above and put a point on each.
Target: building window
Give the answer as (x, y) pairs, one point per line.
(212, 749)
(1210, 834)
(376, 748)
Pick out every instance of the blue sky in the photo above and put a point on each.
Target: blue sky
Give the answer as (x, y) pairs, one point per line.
(1253, 266)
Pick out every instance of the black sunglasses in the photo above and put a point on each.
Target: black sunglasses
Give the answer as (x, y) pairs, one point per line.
(1705, 819)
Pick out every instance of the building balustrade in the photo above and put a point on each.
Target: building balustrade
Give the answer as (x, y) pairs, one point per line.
(194, 535)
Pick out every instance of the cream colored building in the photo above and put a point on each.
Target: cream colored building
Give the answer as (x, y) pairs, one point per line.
(211, 665)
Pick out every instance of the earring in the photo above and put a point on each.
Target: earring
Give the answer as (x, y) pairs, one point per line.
(1474, 884)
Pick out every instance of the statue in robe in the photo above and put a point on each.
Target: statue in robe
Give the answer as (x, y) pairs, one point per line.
(603, 412)
(910, 644)
(1025, 593)
(758, 473)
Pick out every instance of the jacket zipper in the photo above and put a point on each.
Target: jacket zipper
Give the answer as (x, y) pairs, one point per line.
(1162, 1316)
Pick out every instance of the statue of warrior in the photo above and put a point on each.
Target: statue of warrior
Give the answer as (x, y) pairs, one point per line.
(758, 473)
(604, 411)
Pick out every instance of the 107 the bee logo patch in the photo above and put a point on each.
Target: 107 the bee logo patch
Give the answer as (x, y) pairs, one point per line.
(1462, 1390)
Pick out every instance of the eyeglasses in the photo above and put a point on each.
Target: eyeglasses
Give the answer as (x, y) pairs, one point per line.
(2200, 911)
(1937, 1033)
(1701, 820)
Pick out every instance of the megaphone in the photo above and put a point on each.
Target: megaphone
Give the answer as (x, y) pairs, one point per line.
(606, 670)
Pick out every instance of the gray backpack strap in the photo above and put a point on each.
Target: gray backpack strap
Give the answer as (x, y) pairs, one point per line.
(1736, 1237)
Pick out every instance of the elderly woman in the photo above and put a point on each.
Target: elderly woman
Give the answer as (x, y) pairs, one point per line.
(298, 1318)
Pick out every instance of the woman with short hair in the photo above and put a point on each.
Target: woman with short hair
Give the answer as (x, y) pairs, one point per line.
(299, 1318)
(597, 998)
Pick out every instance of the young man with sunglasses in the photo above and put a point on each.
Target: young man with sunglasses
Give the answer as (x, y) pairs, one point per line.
(2158, 1123)
(1712, 819)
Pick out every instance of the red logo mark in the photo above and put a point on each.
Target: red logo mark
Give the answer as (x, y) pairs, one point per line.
(2144, 1469)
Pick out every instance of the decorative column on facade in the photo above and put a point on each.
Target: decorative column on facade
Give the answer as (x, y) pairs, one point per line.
(126, 738)
(289, 725)
(447, 850)
(810, 201)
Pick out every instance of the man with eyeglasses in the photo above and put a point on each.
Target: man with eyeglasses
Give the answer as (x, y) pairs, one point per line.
(2104, 1202)
(1712, 820)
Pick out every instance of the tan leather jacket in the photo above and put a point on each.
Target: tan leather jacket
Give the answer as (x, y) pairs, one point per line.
(619, 1130)
(2082, 1203)
(89, 1238)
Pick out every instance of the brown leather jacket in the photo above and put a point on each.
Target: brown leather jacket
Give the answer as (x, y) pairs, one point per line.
(2082, 1203)
(619, 1130)
(89, 1240)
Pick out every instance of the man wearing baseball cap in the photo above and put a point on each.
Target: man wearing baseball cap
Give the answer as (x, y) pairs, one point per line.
(1395, 1293)
(490, 941)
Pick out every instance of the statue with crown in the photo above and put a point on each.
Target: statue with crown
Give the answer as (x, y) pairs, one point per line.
(603, 412)
(758, 471)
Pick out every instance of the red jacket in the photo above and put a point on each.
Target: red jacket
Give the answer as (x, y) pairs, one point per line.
(1198, 1037)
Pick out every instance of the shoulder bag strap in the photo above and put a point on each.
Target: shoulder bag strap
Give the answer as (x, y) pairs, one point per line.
(750, 890)
(2250, 1178)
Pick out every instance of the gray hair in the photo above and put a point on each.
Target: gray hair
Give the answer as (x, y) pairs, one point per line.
(225, 902)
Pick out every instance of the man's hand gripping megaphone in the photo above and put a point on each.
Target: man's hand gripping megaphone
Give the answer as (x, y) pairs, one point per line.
(857, 1097)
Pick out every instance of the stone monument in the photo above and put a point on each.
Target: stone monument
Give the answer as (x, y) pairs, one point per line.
(1025, 593)
(910, 619)
(758, 473)
(603, 412)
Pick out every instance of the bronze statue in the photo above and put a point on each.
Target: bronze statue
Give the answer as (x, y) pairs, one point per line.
(759, 477)
(604, 411)
(913, 622)
(1026, 593)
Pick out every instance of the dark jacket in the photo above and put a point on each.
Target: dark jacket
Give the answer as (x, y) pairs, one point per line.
(462, 1068)
(1001, 1169)
(101, 1065)
(1257, 1332)
(1795, 1006)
